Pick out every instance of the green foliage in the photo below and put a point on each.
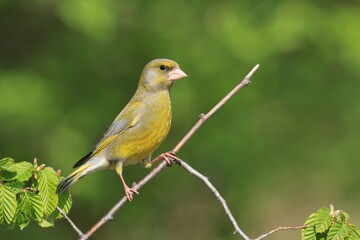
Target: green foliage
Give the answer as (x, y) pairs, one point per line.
(7, 204)
(328, 224)
(28, 192)
(48, 181)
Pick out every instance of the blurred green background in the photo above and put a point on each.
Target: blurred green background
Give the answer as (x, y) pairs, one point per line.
(282, 148)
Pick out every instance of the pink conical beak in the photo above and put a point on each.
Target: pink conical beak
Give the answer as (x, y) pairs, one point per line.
(176, 74)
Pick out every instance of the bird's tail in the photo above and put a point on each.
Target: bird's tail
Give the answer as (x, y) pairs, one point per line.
(64, 184)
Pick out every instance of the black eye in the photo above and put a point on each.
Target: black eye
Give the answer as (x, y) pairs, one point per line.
(162, 67)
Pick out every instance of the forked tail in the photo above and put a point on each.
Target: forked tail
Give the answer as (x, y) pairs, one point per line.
(72, 178)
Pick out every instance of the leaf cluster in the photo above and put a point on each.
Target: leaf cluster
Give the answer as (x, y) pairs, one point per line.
(330, 224)
(28, 192)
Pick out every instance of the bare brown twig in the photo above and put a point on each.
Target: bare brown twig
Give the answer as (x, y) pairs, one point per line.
(279, 229)
(218, 197)
(204, 117)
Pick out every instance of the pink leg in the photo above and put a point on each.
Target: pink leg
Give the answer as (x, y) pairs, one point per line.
(168, 157)
(128, 191)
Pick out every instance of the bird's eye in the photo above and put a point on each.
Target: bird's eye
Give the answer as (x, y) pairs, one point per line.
(162, 67)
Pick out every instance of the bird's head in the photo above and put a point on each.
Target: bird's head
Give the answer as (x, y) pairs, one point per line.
(160, 74)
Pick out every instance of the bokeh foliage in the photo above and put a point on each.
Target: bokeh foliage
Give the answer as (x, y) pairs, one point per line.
(282, 148)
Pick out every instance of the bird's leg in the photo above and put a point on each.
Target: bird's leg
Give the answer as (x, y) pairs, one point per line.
(128, 191)
(168, 157)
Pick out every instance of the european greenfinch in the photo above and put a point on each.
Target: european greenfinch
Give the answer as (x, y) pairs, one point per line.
(137, 131)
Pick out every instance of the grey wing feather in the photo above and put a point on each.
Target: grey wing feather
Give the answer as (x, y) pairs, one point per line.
(115, 128)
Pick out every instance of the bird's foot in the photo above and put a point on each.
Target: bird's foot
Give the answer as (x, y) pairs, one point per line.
(129, 192)
(168, 157)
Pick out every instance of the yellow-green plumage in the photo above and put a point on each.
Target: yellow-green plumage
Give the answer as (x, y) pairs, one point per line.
(139, 143)
(139, 128)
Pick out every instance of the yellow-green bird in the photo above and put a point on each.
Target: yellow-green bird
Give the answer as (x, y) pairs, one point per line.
(137, 131)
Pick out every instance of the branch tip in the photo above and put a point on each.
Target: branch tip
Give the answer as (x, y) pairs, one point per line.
(249, 75)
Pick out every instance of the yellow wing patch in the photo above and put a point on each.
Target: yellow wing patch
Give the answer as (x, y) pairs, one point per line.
(104, 143)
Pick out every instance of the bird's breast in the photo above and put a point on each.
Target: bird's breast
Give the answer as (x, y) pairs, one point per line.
(150, 131)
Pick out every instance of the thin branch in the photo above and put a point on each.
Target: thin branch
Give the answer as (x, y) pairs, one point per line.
(204, 117)
(161, 166)
(203, 178)
(72, 224)
(109, 216)
(279, 229)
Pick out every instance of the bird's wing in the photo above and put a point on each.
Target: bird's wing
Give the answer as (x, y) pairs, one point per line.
(125, 120)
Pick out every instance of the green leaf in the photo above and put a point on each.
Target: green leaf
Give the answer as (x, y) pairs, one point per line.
(48, 181)
(6, 161)
(15, 186)
(24, 171)
(65, 203)
(21, 171)
(7, 204)
(24, 224)
(7, 164)
(323, 220)
(21, 218)
(7, 176)
(22, 214)
(30, 206)
(46, 222)
(310, 221)
(338, 231)
(344, 217)
(35, 206)
(309, 232)
(354, 233)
